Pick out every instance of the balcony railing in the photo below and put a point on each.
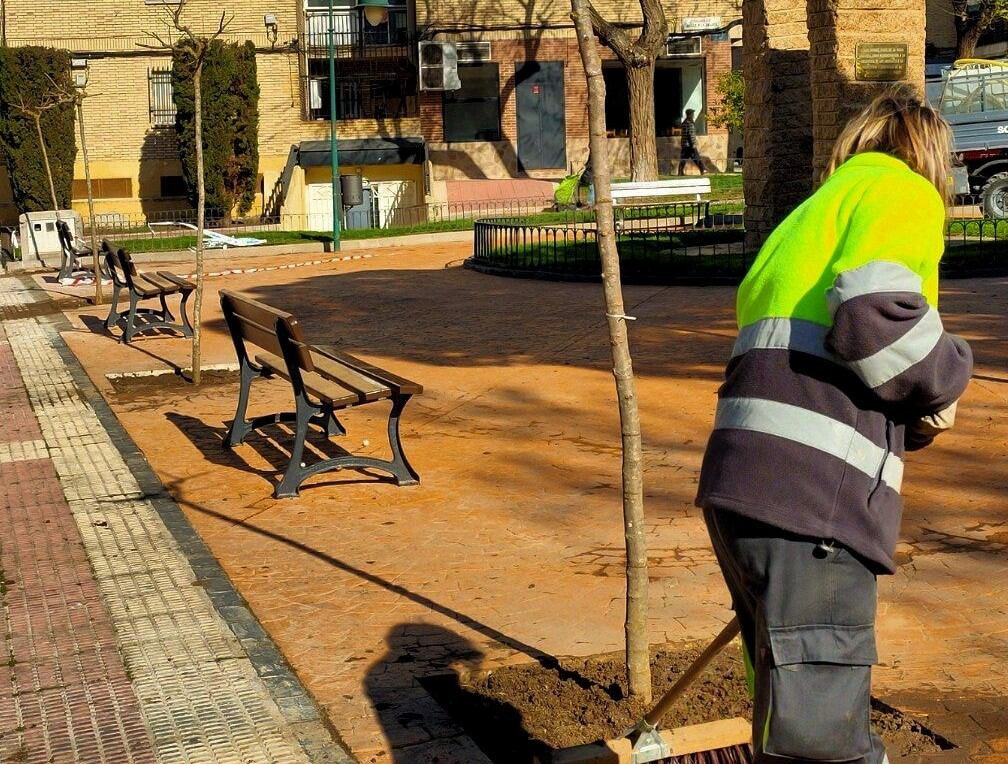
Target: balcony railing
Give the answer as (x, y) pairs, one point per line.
(354, 35)
(375, 96)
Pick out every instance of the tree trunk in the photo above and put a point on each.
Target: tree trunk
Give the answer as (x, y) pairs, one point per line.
(643, 144)
(45, 159)
(200, 222)
(967, 40)
(95, 259)
(637, 649)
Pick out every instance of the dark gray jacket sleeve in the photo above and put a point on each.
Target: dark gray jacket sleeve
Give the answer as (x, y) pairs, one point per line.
(886, 332)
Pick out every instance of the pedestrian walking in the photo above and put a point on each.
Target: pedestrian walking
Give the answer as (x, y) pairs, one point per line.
(841, 364)
(687, 143)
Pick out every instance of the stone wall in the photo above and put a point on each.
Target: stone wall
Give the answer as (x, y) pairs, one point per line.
(778, 113)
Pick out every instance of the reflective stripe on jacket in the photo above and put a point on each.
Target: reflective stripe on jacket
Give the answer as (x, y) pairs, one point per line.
(840, 346)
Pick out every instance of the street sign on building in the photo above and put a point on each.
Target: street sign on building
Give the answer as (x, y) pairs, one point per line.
(701, 23)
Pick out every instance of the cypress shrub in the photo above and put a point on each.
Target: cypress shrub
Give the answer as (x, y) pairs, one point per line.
(230, 91)
(27, 75)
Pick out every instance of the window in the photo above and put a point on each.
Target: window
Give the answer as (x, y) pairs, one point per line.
(162, 102)
(103, 188)
(348, 94)
(473, 112)
(668, 100)
(173, 187)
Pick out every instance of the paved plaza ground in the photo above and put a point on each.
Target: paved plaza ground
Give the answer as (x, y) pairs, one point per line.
(512, 546)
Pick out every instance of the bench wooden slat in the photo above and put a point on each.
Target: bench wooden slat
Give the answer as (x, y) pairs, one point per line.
(315, 384)
(397, 383)
(144, 288)
(177, 280)
(259, 312)
(259, 335)
(365, 388)
(162, 284)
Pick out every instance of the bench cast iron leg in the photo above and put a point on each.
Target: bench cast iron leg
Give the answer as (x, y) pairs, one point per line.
(166, 314)
(333, 426)
(131, 319)
(240, 427)
(67, 268)
(187, 329)
(295, 472)
(113, 316)
(400, 467)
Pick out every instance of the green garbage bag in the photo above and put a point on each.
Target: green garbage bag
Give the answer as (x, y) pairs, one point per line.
(566, 194)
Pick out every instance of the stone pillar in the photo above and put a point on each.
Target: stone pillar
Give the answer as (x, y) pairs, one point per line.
(835, 29)
(778, 113)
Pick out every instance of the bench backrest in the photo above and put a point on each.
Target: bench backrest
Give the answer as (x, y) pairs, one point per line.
(646, 188)
(120, 264)
(273, 330)
(66, 239)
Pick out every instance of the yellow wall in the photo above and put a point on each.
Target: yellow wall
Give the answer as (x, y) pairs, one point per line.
(121, 25)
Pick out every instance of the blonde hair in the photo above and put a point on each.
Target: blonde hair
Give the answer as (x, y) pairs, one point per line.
(900, 124)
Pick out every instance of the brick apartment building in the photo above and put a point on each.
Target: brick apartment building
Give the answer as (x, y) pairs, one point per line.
(519, 117)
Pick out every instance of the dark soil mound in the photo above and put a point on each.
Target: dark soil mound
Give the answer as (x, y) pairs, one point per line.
(521, 711)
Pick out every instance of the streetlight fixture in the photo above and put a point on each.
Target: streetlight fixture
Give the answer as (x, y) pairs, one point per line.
(79, 74)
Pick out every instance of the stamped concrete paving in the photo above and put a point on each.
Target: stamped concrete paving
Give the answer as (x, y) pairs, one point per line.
(114, 651)
(511, 546)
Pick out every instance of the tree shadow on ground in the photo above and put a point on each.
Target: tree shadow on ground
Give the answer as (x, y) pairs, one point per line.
(459, 318)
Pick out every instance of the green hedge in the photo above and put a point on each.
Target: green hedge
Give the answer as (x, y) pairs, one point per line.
(27, 75)
(230, 93)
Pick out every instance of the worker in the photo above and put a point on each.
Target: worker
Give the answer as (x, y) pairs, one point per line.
(841, 363)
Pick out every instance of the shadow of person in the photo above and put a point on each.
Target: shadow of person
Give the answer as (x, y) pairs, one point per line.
(417, 690)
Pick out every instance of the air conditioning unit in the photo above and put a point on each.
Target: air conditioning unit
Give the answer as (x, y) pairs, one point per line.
(439, 66)
(683, 46)
(473, 52)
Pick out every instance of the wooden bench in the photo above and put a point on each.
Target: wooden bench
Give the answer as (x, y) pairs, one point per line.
(76, 255)
(143, 286)
(269, 342)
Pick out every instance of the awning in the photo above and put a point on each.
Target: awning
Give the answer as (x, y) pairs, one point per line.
(362, 151)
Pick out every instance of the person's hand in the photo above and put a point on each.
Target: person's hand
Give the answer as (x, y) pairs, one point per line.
(927, 428)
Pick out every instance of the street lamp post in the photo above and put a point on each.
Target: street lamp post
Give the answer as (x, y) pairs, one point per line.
(375, 11)
(337, 202)
(79, 71)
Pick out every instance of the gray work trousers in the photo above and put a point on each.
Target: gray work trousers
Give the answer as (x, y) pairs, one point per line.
(807, 611)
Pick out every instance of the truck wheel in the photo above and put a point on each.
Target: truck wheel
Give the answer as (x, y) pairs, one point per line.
(994, 199)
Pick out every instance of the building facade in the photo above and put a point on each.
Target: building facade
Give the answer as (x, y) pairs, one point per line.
(517, 121)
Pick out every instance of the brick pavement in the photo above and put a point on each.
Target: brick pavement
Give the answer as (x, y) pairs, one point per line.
(511, 546)
(113, 650)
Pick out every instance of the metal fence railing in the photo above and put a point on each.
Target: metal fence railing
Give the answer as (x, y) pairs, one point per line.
(685, 242)
(160, 231)
(974, 245)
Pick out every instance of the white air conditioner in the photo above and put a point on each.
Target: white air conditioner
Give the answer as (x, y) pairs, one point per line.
(439, 66)
(683, 46)
(473, 52)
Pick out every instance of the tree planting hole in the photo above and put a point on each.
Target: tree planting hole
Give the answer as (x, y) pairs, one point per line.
(518, 714)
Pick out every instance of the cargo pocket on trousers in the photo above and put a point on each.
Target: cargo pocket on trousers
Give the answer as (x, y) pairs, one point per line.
(820, 682)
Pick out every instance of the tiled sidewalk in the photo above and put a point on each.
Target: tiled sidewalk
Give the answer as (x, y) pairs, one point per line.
(122, 639)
